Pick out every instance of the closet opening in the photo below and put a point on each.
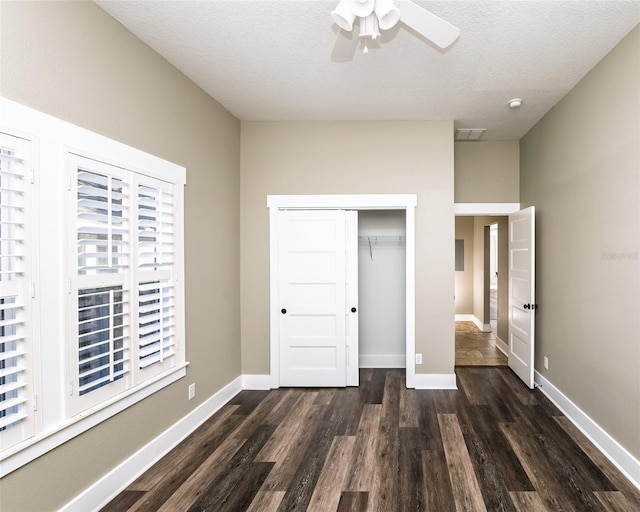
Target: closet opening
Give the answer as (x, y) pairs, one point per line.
(382, 288)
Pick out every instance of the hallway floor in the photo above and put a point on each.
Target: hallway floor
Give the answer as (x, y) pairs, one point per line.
(477, 348)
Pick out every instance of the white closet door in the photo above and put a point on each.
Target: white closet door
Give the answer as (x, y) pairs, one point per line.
(312, 289)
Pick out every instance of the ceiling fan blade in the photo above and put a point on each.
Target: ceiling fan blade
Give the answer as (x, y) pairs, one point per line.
(435, 29)
(345, 46)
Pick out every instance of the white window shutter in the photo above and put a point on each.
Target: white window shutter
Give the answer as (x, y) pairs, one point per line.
(156, 291)
(103, 219)
(16, 382)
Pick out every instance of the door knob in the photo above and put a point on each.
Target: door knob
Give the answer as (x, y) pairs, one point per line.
(283, 311)
(353, 310)
(527, 306)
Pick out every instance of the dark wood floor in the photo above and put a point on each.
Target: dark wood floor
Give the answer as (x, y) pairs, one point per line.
(477, 348)
(490, 445)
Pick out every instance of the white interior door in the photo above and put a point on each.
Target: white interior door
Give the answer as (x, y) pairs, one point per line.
(312, 297)
(522, 294)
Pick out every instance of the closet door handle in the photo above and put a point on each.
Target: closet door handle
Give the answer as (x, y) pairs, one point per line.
(283, 311)
(353, 310)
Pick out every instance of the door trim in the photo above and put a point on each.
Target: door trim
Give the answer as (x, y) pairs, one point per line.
(406, 202)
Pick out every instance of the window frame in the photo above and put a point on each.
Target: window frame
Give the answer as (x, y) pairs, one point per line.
(54, 140)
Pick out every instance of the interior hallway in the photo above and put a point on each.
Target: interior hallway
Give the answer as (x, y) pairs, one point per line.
(477, 348)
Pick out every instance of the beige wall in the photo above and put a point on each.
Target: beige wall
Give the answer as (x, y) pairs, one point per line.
(581, 169)
(480, 263)
(72, 60)
(487, 172)
(464, 278)
(351, 158)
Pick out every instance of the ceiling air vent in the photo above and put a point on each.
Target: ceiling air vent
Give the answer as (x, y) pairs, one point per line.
(470, 133)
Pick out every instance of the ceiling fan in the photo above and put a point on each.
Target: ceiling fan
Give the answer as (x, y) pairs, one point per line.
(372, 15)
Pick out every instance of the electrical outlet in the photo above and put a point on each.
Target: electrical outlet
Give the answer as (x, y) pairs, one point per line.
(418, 358)
(546, 362)
(192, 391)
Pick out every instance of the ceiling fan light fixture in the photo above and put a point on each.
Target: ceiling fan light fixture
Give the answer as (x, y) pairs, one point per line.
(369, 27)
(387, 13)
(343, 15)
(362, 8)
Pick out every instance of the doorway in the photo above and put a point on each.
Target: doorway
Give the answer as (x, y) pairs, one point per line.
(481, 295)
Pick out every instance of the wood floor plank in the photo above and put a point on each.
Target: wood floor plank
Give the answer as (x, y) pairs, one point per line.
(436, 483)
(513, 474)
(353, 502)
(217, 493)
(491, 480)
(384, 492)
(409, 413)
(430, 438)
(184, 496)
(284, 470)
(527, 501)
(249, 400)
(614, 501)
(244, 492)
(277, 447)
(345, 410)
(364, 451)
(410, 477)
(376, 390)
(466, 490)
(266, 501)
(326, 495)
(304, 481)
(257, 414)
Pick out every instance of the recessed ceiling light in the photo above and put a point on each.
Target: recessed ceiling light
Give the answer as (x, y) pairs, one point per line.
(515, 103)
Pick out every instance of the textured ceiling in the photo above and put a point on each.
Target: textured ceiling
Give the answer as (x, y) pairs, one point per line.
(270, 60)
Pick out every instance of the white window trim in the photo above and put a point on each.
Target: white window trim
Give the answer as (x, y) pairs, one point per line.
(54, 139)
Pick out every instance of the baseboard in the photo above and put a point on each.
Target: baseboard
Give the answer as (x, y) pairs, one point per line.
(472, 318)
(108, 487)
(256, 381)
(482, 326)
(617, 454)
(382, 360)
(502, 346)
(435, 381)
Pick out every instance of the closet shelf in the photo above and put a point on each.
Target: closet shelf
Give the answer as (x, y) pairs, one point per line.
(382, 239)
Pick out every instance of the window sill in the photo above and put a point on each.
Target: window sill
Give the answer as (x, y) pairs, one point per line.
(44, 442)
